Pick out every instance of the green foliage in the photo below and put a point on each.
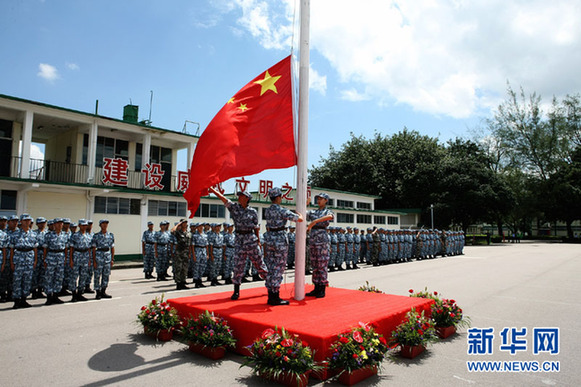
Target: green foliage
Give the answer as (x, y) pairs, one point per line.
(158, 315)
(416, 329)
(361, 347)
(446, 313)
(369, 288)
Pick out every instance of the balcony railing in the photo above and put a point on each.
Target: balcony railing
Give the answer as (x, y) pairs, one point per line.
(58, 172)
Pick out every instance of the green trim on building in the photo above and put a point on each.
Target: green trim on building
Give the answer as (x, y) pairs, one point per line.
(128, 257)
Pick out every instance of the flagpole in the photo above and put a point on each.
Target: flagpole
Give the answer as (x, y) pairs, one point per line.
(302, 159)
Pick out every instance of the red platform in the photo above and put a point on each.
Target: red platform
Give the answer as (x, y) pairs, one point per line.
(316, 320)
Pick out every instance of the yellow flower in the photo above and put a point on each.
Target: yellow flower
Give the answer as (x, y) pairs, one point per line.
(363, 354)
(375, 341)
(278, 347)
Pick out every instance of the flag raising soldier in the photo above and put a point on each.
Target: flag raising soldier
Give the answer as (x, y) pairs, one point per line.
(247, 237)
(319, 244)
(276, 244)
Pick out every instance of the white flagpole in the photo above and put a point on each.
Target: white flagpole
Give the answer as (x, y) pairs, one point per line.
(301, 237)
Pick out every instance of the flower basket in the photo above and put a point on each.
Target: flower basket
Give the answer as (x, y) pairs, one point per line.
(278, 355)
(360, 348)
(208, 335)
(209, 352)
(350, 378)
(445, 332)
(409, 352)
(325, 373)
(287, 378)
(415, 330)
(161, 335)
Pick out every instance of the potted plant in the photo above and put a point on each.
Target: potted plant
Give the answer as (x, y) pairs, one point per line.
(447, 316)
(357, 354)
(369, 288)
(424, 294)
(413, 334)
(281, 357)
(208, 335)
(159, 319)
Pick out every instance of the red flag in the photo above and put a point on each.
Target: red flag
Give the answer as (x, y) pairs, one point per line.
(252, 132)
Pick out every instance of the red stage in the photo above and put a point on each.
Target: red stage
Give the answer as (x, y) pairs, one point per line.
(316, 320)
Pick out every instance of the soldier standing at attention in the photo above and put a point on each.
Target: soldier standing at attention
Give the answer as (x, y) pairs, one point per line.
(67, 276)
(216, 244)
(103, 258)
(319, 244)
(6, 276)
(341, 248)
(87, 284)
(229, 242)
(38, 274)
(349, 252)
(362, 246)
(376, 246)
(23, 260)
(199, 253)
(162, 239)
(148, 250)
(334, 252)
(183, 242)
(276, 244)
(80, 257)
(55, 246)
(247, 237)
(291, 247)
(3, 265)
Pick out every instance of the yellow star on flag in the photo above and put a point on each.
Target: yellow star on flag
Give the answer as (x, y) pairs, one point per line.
(243, 107)
(268, 83)
(231, 100)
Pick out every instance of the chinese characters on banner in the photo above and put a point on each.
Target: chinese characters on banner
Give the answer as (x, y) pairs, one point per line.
(115, 172)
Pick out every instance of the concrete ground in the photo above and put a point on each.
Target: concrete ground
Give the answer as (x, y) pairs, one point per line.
(98, 343)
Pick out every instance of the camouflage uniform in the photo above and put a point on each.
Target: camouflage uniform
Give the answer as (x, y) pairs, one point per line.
(276, 244)
(319, 244)
(56, 246)
(148, 238)
(349, 240)
(334, 245)
(216, 244)
(183, 240)
(162, 239)
(341, 241)
(4, 265)
(376, 247)
(200, 243)
(81, 244)
(24, 245)
(228, 267)
(103, 243)
(38, 273)
(356, 247)
(246, 242)
(291, 248)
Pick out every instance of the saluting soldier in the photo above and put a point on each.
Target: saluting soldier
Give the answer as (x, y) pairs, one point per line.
(183, 243)
(276, 244)
(247, 237)
(55, 247)
(148, 250)
(319, 244)
(103, 258)
(23, 260)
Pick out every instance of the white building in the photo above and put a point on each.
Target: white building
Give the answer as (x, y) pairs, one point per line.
(96, 167)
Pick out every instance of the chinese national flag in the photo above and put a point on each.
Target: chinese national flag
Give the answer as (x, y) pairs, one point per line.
(254, 131)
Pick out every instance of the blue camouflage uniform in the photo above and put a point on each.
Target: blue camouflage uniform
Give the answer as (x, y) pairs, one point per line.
(356, 247)
(384, 249)
(162, 240)
(68, 270)
(228, 267)
(200, 244)
(319, 245)
(276, 243)
(38, 273)
(216, 249)
(246, 242)
(341, 248)
(369, 240)
(148, 238)
(103, 243)
(292, 237)
(24, 246)
(80, 245)
(334, 247)
(56, 246)
(4, 263)
(7, 277)
(349, 240)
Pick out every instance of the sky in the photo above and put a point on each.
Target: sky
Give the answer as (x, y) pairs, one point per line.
(376, 66)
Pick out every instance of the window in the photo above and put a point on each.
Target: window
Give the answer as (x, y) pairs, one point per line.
(165, 208)
(344, 203)
(363, 218)
(392, 220)
(138, 156)
(344, 218)
(7, 200)
(364, 206)
(113, 205)
(162, 156)
(379, 219)
(112, 148)
(210, 211)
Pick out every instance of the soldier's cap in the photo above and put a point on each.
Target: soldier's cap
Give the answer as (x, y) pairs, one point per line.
(25, 217)
(3, 217)
(50, 222)
(206, 224)
(13, 217)
(293, 227)
(230, 225)
(225, 224)
(150, 223)
(90, 221)
(216, 225)
(349, 228)
(274, 193)
(322, 195)
(163, 222)
(192, 224)
(73, 225)
(369, 229)
(182, 220)
(40, 219)
(102, 221)
(245, 193)
(57, 220)
(66, 220)
(83, 222)
(355, 229)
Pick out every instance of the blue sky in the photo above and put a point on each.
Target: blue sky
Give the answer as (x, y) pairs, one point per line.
(435, 67)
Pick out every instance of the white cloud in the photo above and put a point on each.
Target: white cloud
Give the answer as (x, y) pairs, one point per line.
(353, 95)
(48, 72)
(317, 81)
(73, 66)
(449, 57)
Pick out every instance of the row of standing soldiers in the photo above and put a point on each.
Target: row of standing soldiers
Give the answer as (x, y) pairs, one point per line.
(54, 258)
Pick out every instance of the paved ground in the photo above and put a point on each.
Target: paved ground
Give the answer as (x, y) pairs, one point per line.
(97, 343)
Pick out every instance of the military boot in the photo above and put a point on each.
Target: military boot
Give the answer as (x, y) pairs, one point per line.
(103, 294)
(274, 299)
(321, 293)
(314, 292)
(49, 299)
(88, 290)
(23, 303)
(74, 298)
(98, 294)
(236, 293)
(80, 296)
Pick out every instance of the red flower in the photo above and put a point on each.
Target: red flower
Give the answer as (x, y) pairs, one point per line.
(362, 348)
(154, 302)
(354, 356)
(452, 315)
(147, 311)
(267, 333)
(344, 340)
(452, 301)
(382, 340)
(278, 354)
(357, 336)
(143, 308)
(421, 332)
(289, 352)
(305, 344)
(286, 358)
(411, 290)
(435, 293)
(162, 304)
(286, 343)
